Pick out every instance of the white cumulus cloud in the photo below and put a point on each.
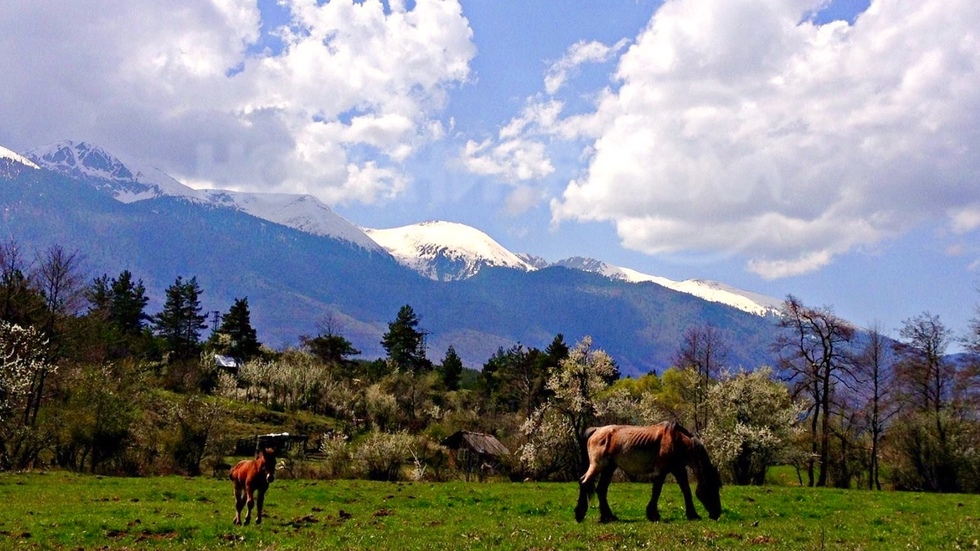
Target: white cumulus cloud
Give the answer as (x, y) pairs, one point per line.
(741, 127)
(581, 52)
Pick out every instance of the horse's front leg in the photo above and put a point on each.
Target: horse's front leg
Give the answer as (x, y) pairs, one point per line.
(259, 500)
(681, 476)
(605, 513)
(653, 513)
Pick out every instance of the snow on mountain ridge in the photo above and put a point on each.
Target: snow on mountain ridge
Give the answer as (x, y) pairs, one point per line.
(445, 251)
(449, 251)
(305, 213)
(10, 155)
(126, 181)
(129, 182)
(712, 291)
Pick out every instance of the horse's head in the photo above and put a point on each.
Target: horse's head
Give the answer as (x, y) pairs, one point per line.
(708, 490)
(268, 456)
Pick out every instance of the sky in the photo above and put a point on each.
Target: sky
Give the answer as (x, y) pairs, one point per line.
(828, 149)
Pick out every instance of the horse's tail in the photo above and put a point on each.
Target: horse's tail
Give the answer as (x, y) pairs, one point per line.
(584, 441)
(587, 477)
(586, 484)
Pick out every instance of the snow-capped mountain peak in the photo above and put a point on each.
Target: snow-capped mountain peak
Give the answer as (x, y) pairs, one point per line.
(127, 181)
(445, 251)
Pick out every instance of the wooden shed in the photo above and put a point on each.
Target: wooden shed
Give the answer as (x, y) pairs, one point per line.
(475, 453)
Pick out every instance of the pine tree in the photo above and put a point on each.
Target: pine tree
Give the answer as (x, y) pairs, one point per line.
(99, 296)
(405, 344)
(330, 349)
(452, 369)
(243, 343)
(181, 321)
(128, 303)
(117, 310)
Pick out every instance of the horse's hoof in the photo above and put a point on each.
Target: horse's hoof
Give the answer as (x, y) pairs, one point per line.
(653, 518)
(610, 518)
(693, 517)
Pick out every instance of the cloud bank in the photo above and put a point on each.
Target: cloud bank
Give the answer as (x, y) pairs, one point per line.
(740, 127)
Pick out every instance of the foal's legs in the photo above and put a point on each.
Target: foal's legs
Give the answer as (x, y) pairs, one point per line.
(249, 503)
(239, 502)
(653, 514)
(605, 513)
(259, 499)
(681, 475)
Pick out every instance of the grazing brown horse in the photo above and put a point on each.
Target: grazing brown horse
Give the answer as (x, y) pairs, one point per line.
(663, 449)
(253, 476)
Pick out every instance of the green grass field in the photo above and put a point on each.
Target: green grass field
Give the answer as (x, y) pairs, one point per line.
(66, 511)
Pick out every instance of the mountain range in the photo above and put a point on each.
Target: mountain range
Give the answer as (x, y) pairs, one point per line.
(304, 268)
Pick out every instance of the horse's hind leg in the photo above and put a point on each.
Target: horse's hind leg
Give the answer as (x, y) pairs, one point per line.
(249, 503)
(681, 476)
(653, 514)
(585, 489)
(605, 513)
(239, 503)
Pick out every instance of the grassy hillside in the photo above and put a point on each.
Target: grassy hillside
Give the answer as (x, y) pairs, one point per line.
(67, 511)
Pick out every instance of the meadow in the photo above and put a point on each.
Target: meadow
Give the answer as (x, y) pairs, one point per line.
(59, 510)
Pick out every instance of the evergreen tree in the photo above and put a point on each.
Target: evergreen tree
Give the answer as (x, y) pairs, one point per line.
(557, 350)
(181, 321)
(99, 296)
(128, 303)
(330, 349)
(242, 340)
(405, 344)
(452, 369)
(117, 312)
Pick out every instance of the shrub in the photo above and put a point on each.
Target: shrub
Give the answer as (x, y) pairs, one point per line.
(927, 459)
(751, 424)
(382, 455)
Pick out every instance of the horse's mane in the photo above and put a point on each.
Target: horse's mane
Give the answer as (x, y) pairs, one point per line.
(700, 461)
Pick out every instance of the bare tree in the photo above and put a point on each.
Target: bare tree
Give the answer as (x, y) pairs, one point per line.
(923, 372)
(813, 353)
(57, 277)
(875, 366)
(704, 350)
(20, 302)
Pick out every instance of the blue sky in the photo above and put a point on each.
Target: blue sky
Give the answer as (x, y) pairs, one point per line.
(827, 149)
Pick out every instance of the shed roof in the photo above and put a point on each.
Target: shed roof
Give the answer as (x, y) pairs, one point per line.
(476, 441)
